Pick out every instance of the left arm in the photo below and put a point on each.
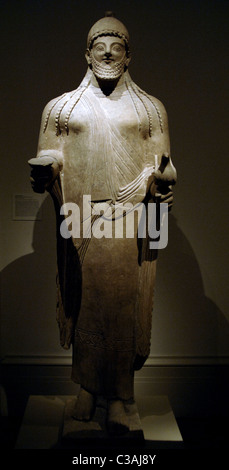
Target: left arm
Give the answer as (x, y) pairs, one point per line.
(165, 175)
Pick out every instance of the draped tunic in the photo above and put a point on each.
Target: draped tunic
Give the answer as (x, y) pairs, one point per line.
(107, 147)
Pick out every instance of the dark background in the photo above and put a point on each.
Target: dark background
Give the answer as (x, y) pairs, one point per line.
(179, 55)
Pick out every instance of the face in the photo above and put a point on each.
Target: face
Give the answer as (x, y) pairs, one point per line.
(108, 57)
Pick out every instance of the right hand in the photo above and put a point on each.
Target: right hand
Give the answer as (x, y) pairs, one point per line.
(43, 172)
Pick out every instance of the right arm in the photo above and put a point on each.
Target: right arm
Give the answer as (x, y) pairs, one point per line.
(45, 167)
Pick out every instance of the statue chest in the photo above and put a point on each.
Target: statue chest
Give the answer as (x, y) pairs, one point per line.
(104, 150)
(99, 113)
(122, 115)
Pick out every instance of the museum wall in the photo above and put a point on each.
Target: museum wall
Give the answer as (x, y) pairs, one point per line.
(179, 56)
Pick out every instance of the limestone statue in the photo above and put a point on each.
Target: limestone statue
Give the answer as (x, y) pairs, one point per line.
(107, 140)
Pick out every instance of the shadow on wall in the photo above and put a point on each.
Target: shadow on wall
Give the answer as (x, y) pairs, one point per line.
(185, 321)
(29, 294)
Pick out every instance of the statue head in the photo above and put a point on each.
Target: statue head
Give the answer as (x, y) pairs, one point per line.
(108, 48)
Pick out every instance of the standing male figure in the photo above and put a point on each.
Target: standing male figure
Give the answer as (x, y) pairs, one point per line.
(107, 139)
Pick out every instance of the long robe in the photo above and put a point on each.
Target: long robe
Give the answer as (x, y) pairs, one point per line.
(108, 148)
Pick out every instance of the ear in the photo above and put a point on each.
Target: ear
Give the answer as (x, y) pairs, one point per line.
(128, 59)
(88, 56)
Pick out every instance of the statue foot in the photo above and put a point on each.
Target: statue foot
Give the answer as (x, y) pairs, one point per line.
(85, 406)
(117, 421)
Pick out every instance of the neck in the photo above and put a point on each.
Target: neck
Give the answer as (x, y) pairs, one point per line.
(107, 86)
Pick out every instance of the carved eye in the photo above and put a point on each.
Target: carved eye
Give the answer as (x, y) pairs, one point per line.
(117, 48)
(99, 48)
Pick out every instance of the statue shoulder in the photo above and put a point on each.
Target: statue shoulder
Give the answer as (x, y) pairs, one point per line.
(154, 104)
(157, 104)
(53, 108)
(59, 102)
(53, 103)
(158, 109)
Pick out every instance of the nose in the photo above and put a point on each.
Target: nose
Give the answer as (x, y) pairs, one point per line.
(108, 50)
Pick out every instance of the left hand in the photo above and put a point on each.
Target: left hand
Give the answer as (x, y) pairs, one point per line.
(163, 193)
(164, 179)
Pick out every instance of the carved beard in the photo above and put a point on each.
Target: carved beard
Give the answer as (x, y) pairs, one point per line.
(107, 72)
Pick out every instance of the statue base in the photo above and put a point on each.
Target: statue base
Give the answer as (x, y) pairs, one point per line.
(96, 428)
(47, 424)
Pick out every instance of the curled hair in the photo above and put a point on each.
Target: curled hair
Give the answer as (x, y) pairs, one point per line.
(79, 92)
(111, 33)
(145, 99)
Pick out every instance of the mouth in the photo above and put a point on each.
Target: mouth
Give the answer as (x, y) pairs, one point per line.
(108, 61)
